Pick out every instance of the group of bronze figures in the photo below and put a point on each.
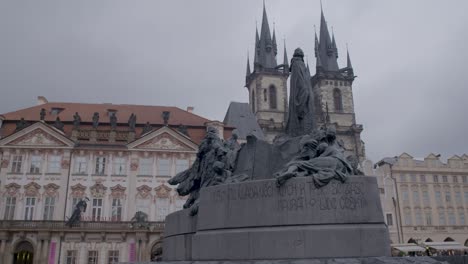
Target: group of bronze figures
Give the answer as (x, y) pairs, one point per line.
(321, 156)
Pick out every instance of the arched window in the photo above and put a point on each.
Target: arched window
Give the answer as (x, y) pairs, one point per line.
(253, 102)
(449, 239)
(264, 95)
(273, 103)
(337, 100)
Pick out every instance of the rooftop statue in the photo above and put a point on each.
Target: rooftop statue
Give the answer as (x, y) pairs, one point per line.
(42, 114)
(113, 121)
(58, 124)
(147, 128)
(76, 120)
(95, 120)
(301, 119)
(132, 122)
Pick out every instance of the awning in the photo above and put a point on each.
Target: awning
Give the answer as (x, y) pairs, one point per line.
(446, 245)
(411, 247)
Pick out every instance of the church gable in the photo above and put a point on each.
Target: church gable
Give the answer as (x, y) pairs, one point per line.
(164, 139)
(37, 135)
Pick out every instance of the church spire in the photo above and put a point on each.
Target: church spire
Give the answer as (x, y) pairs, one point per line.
(257, 48)
(267, 48)
(285, 59)
(348, 65)
(247, 73)
(326, 51)
(275, 47)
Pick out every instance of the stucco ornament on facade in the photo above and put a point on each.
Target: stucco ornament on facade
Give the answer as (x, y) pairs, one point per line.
(144, 192)
(118, 191)
(32, 189)
(78, 190)
(51, 190)
(98, 190)
(164, 141)
(12, 189)
(134, 165)
(65, 164)
(37, 137)
(162, 191)
(5, 163)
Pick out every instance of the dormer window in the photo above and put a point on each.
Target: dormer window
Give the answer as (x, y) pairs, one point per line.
(56, 111)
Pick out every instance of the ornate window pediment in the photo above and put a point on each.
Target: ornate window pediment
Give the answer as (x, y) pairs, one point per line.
(98, 190)
(118, 191)
(162, 191)
(32, 189)
(144, 192)
(51, 190)
(12, 189)
(78, 190)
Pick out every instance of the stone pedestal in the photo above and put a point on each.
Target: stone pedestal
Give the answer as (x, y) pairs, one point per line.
(256, 220)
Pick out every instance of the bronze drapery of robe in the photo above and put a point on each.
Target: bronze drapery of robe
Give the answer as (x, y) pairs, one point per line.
(301, 115)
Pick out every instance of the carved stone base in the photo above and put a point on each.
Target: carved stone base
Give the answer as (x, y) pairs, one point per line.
(256, 220)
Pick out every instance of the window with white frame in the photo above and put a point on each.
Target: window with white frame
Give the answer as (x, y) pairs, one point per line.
(426, 199)
(438, 197)
(461, 215)
(466, 197)
(35, 167)
(29, 208)
(181, 165)
(164, 167)
(441, 218)
(408, 220)
(419, 219)
(119, 166)
(81, 165)
(16, 164)
(53, 164)
(113, 257)
(465, 179)
(162, 209)
(428, 218)
(389, 219)
(448, 196)
(416, 196)
(458, 197)
(10, 205)
(405, 195)
(146, 166)
(100, 168)
(71, 257)
(451, 218)
(116, 209)
(49, 206)
(93, 257)
(97, 209)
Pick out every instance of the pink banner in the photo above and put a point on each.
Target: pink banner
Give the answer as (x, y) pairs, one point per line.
(132, 252)
(52, 252)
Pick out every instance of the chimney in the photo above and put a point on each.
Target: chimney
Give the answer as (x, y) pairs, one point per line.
(190, 109)
(41, 100)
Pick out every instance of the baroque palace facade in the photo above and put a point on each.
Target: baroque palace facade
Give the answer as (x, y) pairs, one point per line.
(424, 200)
(118, 156)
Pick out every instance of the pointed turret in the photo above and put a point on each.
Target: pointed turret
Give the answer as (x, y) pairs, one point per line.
(275, 47)
(308, 69)
(335, 50)
(285, 60)
(316, 48)
(348, 65)
(326, 51)
(247, 73)
(257, 48)
(267, 48)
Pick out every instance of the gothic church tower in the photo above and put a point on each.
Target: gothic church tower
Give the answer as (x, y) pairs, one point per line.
(267, 83)
(333, 90)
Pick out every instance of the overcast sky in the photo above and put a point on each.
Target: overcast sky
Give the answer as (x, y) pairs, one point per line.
(410, 57)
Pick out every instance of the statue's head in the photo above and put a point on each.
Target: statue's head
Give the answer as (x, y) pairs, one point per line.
(235, 134)
(308, 142)
(212, 132)
(331, 133)
(298, 53)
